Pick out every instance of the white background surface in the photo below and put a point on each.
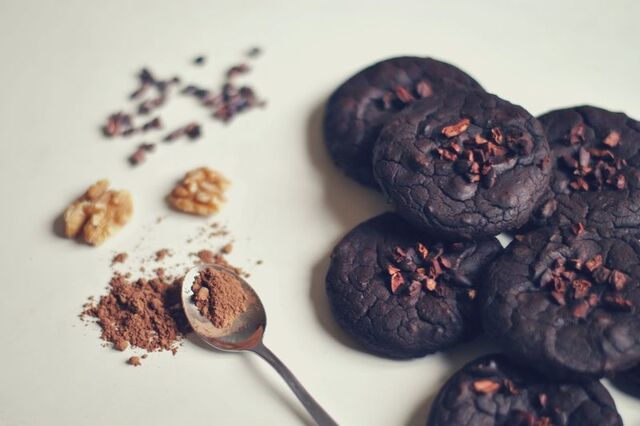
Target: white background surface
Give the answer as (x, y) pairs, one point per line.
(66, 65)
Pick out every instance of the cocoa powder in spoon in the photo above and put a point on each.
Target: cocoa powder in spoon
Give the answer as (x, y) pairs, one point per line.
(219, 296)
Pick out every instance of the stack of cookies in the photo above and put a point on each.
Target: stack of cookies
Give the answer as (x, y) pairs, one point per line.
(459, 166)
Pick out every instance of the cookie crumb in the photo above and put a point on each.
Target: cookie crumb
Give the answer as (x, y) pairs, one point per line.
(162, 254)
(135, 361)
(121, 345)
(119, 258)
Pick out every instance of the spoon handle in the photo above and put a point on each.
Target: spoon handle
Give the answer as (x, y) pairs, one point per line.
(315, 410)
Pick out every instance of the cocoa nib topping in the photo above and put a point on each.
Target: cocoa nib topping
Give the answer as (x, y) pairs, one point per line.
(528, 418)
(456, 129)
(418, 268)
(476, 156)
(486, 386)
(584, 284)
(400, 96)
(492, 386)
(594, 169)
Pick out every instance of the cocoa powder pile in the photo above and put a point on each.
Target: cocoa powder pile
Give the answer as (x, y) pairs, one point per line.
(219, 296)
(145, 313)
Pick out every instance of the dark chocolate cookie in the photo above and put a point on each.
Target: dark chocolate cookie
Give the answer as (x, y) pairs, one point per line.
(628, 381)
(492, 391)
(464, 165)
(566, 301)
(357, 110)
(596, 168)
(401, 294)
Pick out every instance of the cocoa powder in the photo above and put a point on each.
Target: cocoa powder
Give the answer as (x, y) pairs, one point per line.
(119, 258)
(210, 257)
(219, 296)
(143, 313)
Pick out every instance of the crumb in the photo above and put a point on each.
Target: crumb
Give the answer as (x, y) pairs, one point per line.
(135, 361)
(119, 258)
(121, 345)
(161, 254)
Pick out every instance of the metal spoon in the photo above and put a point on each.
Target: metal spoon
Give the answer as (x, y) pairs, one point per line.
(245, 334)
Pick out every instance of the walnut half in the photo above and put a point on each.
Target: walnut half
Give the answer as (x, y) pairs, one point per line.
(99, 213)
(200, 192)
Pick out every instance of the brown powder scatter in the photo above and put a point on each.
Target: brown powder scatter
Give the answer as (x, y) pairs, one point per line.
(121, 345)
(206, 256)
(219, 296)
(218, 230)
(259, 262)
(119, 258)
(146, 313)
(212, 258)
(135, 361)
(162, 254)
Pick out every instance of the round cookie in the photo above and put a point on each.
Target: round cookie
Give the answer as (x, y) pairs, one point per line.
(596, 168)
(357, 110)
(628, 381)
(566, 301)
(464, 165)
(492, 391)
(401, 294)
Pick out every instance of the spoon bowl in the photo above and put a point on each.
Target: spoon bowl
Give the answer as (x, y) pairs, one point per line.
(247, 329)
(245, 334)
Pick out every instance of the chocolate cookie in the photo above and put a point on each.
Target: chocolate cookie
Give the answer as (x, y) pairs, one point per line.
(401, 294)
(464, 165)
(596, 160)
(628, 381)
(491, 391)
(357, 110)
(566, 301)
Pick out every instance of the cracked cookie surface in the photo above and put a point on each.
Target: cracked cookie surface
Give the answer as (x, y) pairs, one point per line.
(401, 294)
(565, 301)
(464, 165)
(596, 169)
(357, 110)
(492, 391)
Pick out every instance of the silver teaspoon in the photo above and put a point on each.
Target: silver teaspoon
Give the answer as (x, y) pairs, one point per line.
(245, 334)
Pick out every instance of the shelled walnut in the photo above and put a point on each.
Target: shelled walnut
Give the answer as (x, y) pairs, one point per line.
(99, 213)
(200, 192)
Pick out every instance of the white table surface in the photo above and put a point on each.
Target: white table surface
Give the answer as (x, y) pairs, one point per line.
(67, 64)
